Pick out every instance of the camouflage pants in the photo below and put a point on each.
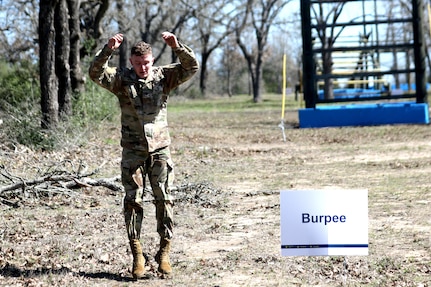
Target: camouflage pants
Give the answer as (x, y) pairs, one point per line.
(158, 166)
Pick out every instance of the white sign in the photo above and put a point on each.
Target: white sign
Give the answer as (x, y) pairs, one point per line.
(324, 222)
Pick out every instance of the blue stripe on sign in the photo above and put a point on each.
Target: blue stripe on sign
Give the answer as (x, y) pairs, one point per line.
(324, 246)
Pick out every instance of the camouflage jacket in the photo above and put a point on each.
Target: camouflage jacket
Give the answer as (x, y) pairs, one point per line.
(143, 102)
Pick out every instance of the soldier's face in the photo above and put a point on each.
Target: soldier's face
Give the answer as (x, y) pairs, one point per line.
(142, 64)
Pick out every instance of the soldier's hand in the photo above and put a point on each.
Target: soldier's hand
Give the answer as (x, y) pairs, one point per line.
(115, 41)
(170, 39)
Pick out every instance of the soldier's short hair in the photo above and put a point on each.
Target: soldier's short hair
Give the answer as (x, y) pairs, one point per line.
(141, 48)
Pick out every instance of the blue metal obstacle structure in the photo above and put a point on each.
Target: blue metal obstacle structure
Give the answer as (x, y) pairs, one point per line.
(328, 60)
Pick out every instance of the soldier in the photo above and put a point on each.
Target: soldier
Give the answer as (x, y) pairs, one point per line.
(143, 92)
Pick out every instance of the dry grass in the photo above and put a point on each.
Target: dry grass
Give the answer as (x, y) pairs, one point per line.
(227, 231)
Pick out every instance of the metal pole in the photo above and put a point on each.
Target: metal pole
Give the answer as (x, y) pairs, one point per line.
(309, 76)
(283, 102)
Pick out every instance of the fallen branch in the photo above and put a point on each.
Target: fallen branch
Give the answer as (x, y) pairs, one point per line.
(60, 181)
(9, 203)
(64, 178)
(67, 181)
(90, 182)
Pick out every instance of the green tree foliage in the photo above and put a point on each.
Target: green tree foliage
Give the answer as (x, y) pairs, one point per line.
(18, 86)
(19, 104)
(20, 110)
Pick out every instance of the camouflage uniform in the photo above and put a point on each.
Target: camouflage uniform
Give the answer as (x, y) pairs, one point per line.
(145, 136)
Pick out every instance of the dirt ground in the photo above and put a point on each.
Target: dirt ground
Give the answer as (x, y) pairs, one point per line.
(230, 168)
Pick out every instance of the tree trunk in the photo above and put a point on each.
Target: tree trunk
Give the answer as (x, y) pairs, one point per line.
(124, 48)
(229, 83)
(123, 53)
(48, 79)
(76, 76)
(255, 82)
(257, 97)
(204, 73)
(62, 52)
(328, 88)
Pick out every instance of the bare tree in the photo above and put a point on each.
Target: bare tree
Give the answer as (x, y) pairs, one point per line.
(260, 15)
(18, 29)
(150, 16)
(327, 35)
(213, 22)
(145, 21)
(92, 13)
(391, 35)
(232, 66)
(164, 15)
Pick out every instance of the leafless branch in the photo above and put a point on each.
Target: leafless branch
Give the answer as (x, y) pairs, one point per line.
(59, 176)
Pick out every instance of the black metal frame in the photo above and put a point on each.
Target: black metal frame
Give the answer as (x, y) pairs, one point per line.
(310, 77)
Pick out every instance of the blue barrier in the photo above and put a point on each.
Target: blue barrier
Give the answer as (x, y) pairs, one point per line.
(364, 115)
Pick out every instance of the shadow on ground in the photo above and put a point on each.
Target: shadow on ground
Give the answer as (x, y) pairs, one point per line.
(13, 271)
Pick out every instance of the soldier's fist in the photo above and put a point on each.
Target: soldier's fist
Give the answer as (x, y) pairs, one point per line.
(115, 41)
(170, 39)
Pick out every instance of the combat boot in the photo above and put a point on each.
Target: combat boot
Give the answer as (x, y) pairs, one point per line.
(162, 257)
(138, 270)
